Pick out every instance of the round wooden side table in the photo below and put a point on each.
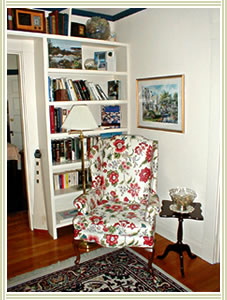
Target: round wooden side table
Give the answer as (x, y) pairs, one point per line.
(179, 247)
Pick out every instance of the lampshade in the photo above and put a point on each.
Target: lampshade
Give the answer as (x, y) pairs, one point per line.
(80, 118)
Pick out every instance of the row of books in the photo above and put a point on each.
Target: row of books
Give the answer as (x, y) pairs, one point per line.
(110, 117)
(81, 90)
(57, 23)
(70, 179)
(57, 117)
(69, 150)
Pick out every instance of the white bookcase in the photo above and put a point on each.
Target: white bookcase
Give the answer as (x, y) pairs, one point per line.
(60, 201)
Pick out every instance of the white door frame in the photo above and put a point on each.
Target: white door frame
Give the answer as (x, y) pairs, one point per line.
(24, 131)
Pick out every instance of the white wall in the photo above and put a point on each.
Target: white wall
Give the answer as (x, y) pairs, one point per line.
(166, 41)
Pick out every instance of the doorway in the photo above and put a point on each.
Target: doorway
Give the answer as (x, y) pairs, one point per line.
(16, 179)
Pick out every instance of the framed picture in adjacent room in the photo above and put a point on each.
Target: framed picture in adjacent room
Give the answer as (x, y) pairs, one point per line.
(160, 103)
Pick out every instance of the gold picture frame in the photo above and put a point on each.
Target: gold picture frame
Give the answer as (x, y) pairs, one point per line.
(160, 103)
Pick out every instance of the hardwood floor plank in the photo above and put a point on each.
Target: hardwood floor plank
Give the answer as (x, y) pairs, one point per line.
(28, 250)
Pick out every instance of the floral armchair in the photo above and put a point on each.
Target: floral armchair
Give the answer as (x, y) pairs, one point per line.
(120, 208)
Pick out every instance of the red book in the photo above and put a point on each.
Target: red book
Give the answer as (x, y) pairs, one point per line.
(55, 13)
(9, 18)
(52, 119)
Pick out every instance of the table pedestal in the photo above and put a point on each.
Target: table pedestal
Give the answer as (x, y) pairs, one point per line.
(178, 247)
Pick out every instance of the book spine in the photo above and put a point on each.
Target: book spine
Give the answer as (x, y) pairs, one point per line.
(101, 92)
(71, 89)
(66, 24)
(9, 19)
(50, 24)
(97, 96)
(53, 151)
(91, 94)
(61, 24)
(77, 91)
(57, 151)
(52, 119)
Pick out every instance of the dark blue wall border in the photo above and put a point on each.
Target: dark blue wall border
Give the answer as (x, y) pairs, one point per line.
(126, 13)
(85, 13)
(12, 72)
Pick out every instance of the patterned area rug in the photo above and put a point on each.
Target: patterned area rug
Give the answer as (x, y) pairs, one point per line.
(122, 270)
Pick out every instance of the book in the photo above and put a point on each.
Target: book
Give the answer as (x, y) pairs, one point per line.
(111, 116)
(52, 119)
(101, 92)
(9, 18)
(65, 24)
(113, 87)
(109, 134)
(67, 214)
(54, 14)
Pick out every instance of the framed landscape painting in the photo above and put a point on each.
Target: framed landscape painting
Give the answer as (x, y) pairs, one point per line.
(160, 103)
(64, 54)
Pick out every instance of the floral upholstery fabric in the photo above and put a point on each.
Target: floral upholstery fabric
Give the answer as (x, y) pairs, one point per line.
(121, 206)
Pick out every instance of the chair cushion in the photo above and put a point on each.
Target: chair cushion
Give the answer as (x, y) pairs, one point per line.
(112, 221)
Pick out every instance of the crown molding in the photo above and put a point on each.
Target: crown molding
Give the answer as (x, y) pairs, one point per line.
(85, 13)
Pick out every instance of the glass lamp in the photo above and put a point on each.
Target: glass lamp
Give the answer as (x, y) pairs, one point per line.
(80, 119)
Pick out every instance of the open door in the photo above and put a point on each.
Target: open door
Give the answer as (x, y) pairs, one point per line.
(16, 196)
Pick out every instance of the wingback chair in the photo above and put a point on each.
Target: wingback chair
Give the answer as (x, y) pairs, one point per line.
(121, 207)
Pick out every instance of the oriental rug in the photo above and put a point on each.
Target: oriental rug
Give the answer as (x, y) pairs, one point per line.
(122, 270)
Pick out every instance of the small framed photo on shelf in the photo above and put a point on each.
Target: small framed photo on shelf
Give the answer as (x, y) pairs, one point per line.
(160, 103)
(100, 60)
(64, 54)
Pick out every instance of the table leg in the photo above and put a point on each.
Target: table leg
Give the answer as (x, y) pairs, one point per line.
(178, 247)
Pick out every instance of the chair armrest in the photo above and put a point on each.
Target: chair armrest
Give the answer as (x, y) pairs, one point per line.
(86, 202)
(153, 207)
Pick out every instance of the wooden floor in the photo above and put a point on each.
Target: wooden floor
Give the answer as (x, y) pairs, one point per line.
(28, 250)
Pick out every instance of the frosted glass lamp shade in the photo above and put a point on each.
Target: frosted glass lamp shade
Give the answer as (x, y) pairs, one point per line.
(80, 118)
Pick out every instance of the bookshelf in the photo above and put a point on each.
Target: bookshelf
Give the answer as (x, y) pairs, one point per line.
(59, 203)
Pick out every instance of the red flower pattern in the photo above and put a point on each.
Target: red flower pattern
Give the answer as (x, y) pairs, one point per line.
(111, 239)
(93, 238)
(119, 146)
(134, 189)
(148, 240)
(149, 153)
(113, 177)
(96, 220)
(116, 207)
(145, 174)
(138, 150)
(113, 194)
(76, 233)
(134, 206)
(132, 226)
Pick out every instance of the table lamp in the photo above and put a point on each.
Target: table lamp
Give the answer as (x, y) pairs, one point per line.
(80, 119)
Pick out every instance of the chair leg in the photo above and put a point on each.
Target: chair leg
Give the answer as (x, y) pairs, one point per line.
(150, 260)
(77, 250)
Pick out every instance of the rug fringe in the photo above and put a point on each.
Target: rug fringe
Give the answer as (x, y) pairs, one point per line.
(70, 262)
